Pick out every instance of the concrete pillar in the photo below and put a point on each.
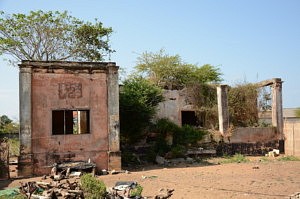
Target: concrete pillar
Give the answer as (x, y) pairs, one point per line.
(114, 154)
(277, 112)
(25, 167)
(223, 111)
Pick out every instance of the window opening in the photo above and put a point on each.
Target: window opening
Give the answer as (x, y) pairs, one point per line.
(70, 122)
(189, 118)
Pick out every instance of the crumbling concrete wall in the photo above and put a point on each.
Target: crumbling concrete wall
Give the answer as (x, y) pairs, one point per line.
(174, 102)
(258, 148)
(253, 135)
(249, 141)
(69, 86)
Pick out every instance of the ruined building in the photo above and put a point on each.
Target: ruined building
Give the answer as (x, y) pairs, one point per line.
(69, 111)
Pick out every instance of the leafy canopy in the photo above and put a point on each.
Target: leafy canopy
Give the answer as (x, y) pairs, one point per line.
(52, 35)
(138, 101)
(7, 125)
(170, 72)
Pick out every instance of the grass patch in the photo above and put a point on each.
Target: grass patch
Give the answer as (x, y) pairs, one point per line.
(265, 159)
(237, 158)
(289, 158)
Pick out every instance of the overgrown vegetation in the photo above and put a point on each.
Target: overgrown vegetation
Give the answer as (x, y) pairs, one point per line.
(170, 72)
(182, 137)
(93, 188)
(204, 97)
(138, 101)
(242, 102)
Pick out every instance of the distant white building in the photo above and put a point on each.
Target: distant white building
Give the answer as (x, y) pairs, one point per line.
(289, 115)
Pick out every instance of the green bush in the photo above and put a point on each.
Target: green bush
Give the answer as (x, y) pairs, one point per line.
(138, 101)
(137, 191)
(93, 188)
(151, 154)
(128, 157)
(188, 135)
(178, 151)
(161, 146)
(191, 134)
(164, 126)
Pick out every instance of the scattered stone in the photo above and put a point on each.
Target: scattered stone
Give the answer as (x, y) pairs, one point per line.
(75, 174)
(113, 172)
(177, 160)
(189, 160)
(164, 194)
(123, 189)
(150, 177)
(161, 160)
(104, 172)
(127, 172)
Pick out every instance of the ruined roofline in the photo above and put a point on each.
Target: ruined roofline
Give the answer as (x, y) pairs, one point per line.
(269, 82)
(70, 65)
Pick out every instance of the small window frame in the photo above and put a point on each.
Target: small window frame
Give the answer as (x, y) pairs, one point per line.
(70, 121)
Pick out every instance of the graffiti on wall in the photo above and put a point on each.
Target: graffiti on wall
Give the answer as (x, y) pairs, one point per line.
(69, 90)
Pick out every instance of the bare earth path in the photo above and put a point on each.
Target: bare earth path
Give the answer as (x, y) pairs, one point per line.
(275, 179)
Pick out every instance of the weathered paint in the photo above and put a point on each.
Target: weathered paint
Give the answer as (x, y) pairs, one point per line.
(223, 111)
(90, 90)
(253, 135)
(175, 101)
(25, 158)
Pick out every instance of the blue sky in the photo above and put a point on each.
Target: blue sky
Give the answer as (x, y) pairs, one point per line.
(248, 40)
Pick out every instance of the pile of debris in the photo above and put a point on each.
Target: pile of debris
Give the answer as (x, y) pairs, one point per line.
(54, 189)
(62, 182)
(131, 189)
(126, 189)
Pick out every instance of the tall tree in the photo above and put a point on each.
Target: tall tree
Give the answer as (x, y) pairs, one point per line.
(48, 36)
(170, 72)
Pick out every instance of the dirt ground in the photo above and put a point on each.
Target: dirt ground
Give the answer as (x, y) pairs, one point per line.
(254, 179)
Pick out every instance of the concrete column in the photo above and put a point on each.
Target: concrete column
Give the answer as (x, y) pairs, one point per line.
(25, 167)
(223, 111)
(277, 112)
(114, 154)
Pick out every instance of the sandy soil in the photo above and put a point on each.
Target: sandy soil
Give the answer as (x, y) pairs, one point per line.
(255, 179)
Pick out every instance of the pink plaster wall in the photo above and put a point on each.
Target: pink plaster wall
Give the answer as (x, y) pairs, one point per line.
(47, 148)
